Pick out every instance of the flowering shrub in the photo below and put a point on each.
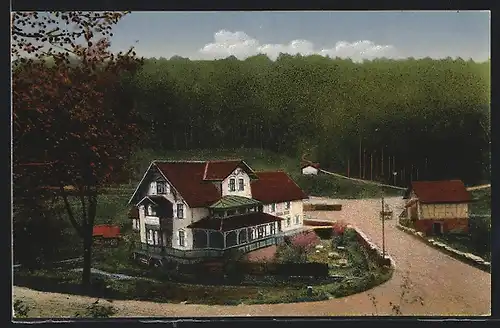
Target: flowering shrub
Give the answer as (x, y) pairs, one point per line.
(338, 233)
(305, 240)
(339, 228)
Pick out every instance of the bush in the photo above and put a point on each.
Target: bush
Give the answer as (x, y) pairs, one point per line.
(480, 234)
(21, 310)
(291, 254)
(96, 310)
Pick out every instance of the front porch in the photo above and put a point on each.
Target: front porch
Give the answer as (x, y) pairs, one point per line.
(161, 252)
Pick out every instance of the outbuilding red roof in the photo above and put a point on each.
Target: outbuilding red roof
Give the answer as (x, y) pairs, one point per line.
(450, 191)
(275, 187)
(235, 222)
(106, 231)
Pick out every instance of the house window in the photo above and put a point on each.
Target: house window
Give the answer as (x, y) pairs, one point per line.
(181, 238)
(260, 232)
(297, 219)
(153, 188)
(252, 209)
(160, 187)
(241, 184)
(151, 210)
(273, 207)
(288, 221)
(142, 210)
(231, 212)
(287, 205)
(180, 211)
(232, 185)
(151, 237)
(272, 228)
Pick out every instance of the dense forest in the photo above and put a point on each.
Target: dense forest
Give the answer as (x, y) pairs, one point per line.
(424, 119)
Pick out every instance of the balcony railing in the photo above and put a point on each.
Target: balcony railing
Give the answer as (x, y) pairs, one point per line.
(210, 252)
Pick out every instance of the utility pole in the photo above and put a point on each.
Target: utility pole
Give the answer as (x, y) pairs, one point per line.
(348, 167)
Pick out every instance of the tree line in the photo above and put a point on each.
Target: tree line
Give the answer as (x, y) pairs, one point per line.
(418, 118)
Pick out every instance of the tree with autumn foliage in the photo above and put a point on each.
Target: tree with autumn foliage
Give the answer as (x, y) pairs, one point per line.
(70, 109)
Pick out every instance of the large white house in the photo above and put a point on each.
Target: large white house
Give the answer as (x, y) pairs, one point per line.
(193, 210)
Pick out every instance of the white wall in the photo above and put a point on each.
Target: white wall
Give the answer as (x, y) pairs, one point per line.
(142, 227)
(237, 174)
(309, 170)
(190, 215)
(296, 208)
(444, 211)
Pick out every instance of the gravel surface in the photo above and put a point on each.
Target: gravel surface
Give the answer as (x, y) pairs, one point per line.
(447, 286)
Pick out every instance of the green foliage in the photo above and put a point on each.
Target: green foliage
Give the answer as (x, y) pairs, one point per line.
(481, 202)
(289, 253)
(96, 310)
(415, 111)
(21, 309)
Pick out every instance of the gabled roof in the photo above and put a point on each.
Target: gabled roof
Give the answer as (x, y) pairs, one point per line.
(219, 170)
(188, 179)
(156, 200)
(315, 165)
(235, 222)
(448, 191)
(275, 187)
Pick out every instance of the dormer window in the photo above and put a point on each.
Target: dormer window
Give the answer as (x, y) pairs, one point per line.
(232, 184)
(241, 184)
(160, 187)
(287, 205)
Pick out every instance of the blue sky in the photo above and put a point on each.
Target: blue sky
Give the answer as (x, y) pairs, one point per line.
(357, 35)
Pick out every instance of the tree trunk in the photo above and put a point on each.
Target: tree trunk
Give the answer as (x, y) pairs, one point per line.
(348, 167)
(371, 166)
(88, 238)
(87, 256)
(360, 158)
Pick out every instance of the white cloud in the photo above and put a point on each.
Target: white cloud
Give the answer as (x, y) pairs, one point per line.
(241, 45)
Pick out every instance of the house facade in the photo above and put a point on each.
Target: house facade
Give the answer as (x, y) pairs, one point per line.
(438, 207)
(192, 210)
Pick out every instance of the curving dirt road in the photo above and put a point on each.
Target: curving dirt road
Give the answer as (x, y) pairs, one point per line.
(447, 286)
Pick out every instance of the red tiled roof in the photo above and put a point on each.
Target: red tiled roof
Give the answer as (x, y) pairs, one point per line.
(275, 187)
(235, 222)
(187, 179)
(451, 191)
(106, 231)
(219, 170)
